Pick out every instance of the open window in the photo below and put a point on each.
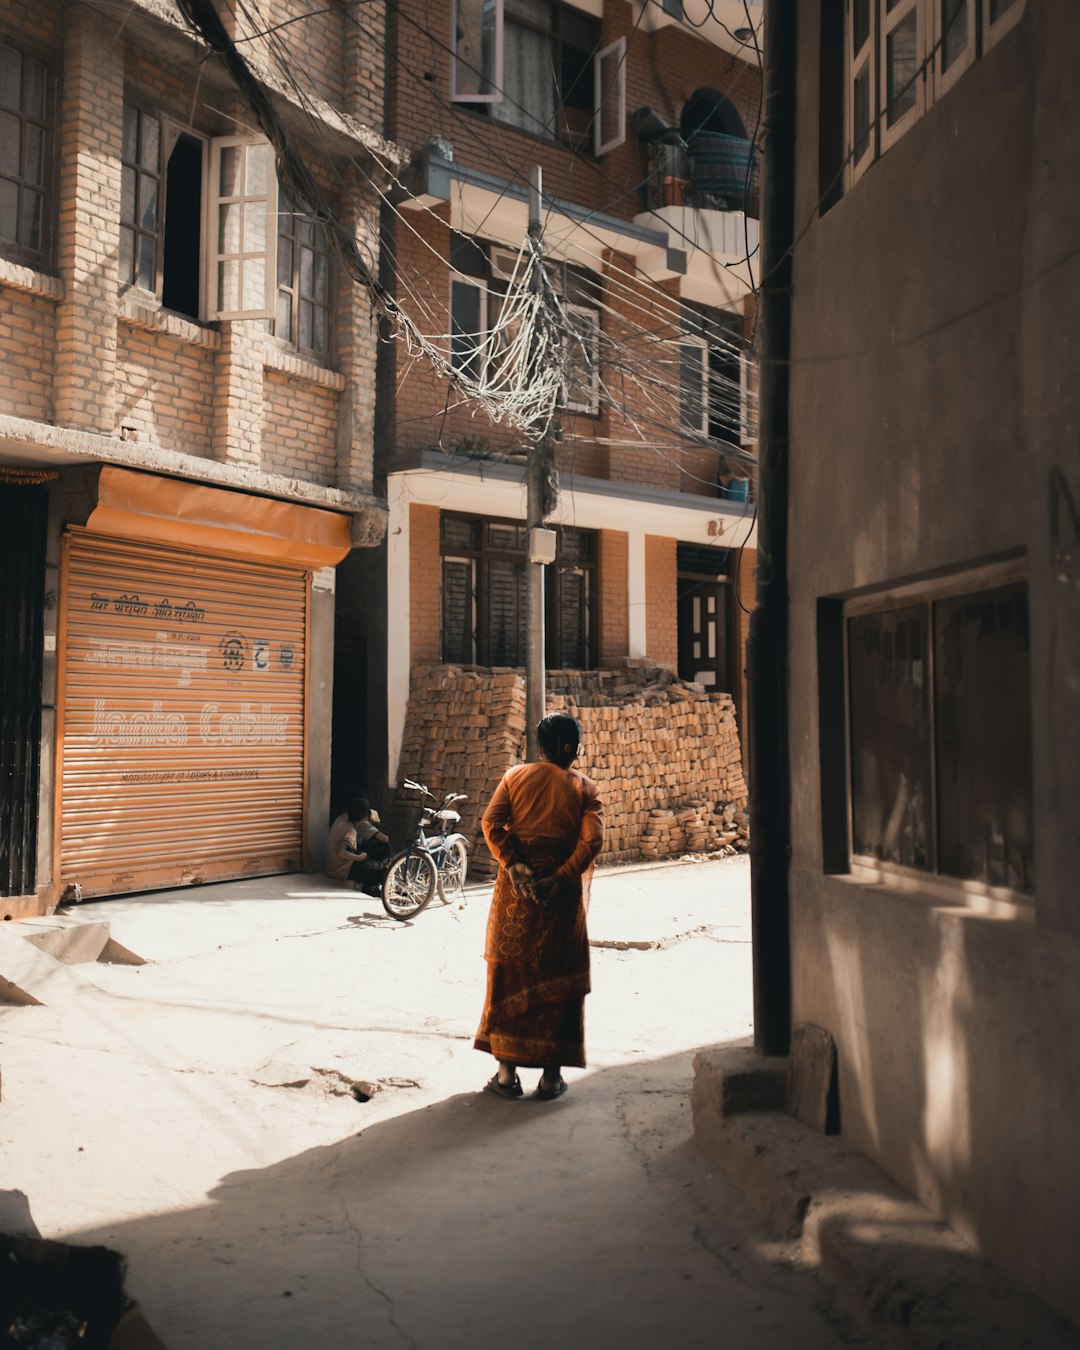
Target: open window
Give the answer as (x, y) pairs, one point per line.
(609, 78)
(476, 51)
(535, 65)
(198, 219)
(712, 392)
(242, 251)
(581, 354)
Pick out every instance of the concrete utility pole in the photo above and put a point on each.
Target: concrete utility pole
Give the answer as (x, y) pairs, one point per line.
(540, 541)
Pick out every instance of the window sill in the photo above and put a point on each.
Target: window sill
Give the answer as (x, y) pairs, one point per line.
(148, 314)
(300, 367)
(940, 892)
(583, 152)
(22, 278)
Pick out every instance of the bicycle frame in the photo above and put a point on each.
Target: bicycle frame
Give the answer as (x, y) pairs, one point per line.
(438, 846)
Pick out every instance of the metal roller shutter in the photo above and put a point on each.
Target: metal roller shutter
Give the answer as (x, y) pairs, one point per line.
(182, 705)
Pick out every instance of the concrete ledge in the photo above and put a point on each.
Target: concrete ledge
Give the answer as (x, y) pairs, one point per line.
(887, 1259)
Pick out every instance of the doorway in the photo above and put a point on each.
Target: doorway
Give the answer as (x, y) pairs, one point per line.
(704, 618)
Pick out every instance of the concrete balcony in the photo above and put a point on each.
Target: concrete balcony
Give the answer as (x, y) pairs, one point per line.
(709, 238)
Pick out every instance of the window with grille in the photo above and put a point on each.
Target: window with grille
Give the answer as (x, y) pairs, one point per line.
(483, 594)
(26, 113)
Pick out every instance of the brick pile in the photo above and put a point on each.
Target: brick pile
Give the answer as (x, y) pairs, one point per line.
(665, 754)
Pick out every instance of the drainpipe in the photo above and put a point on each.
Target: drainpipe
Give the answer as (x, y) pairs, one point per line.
(767, 647)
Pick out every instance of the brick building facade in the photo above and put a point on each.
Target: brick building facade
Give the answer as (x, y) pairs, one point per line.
(656, 528)
(186, 441)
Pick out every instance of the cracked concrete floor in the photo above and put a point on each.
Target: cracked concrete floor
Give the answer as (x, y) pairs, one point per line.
(204, 1114)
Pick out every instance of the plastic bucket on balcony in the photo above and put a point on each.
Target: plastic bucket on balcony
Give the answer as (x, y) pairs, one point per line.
(721, 167)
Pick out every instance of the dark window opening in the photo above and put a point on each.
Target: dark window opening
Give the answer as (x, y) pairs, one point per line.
(982, 698)
(939, 721)
(708, 110)
(181, 248)
(890, 736)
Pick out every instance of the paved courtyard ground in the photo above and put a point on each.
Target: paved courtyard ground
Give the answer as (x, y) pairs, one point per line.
(201, 1113)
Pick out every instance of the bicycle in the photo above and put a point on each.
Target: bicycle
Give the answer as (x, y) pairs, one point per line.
(439, 862)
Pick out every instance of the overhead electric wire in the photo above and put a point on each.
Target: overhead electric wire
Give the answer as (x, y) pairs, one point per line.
(509, 345)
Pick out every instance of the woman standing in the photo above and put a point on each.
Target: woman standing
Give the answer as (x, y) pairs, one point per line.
(545, 826)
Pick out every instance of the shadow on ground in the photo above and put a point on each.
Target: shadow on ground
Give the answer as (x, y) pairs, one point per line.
(589, 1221)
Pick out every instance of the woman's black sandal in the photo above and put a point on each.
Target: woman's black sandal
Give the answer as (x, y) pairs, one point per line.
(508, 1090)
(546, 1096)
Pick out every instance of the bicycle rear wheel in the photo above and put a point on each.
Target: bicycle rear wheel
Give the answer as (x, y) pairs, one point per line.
(453, 871)
(409, 884)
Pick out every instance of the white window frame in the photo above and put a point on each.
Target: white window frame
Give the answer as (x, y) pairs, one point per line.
(693, 340)
(945, 79)
(496, 95)
(992, 32)
(614, 50)
(889, 22)
(479, 284)
(592, 341)
(854, 63)
(212, 253)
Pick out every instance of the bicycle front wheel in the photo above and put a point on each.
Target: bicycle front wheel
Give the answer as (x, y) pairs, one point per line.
(409, 884)
(453, 871)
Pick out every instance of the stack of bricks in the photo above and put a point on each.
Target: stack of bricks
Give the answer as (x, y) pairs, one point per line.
(664, 754)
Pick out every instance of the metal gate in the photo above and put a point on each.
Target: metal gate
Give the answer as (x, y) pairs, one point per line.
(182, 716)
(23, 514)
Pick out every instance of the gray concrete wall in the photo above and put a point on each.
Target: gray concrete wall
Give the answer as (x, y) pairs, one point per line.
(935, 416)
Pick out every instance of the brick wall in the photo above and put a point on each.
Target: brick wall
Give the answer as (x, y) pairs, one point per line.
(90, 191)
(614, 617)
(312, 44)
(40, 22)
(299, 433)
(661, 613)
(425, 583)
(165, 391)
(27, 335)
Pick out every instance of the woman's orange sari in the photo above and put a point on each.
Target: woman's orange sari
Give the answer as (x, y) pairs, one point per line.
(537, 950)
